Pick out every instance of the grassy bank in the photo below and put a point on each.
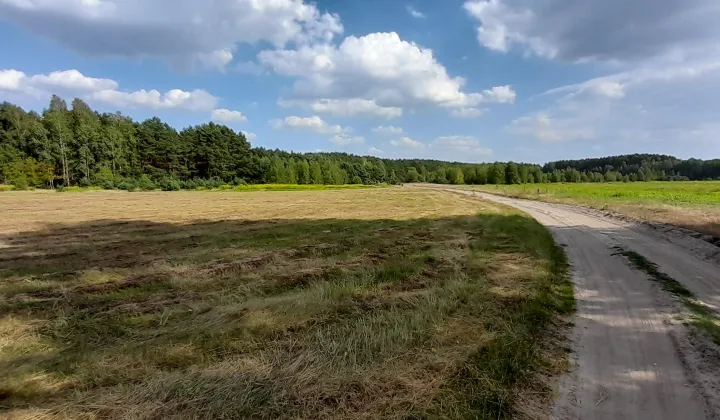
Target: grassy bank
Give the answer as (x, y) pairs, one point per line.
(367, 303)
(692, 205)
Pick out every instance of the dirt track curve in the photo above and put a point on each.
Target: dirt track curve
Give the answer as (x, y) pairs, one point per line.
(630, 362)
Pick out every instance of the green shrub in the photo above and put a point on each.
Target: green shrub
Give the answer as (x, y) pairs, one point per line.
(127, 184)
(21, 184)
(188, 185)
(145, 183)
(169, 184)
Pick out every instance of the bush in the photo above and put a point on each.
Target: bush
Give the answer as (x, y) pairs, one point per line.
(239, 181)
(214, 183)
(200, 183)
(188, 185)
(21, 184)
(169, 184)
(145, 183)
(127, 184)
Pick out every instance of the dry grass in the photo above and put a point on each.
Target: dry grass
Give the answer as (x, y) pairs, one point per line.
(388, 303)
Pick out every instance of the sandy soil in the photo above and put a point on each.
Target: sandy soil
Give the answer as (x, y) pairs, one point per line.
(632, 360)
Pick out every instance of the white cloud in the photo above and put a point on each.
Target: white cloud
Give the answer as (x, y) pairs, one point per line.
(467, 112)
(466, 146)
(227, 116)
(313, 123)
(249, 136)
(11, 79)
(415, 13)
(197, 100)
(218, 59)
(344, 140)
(389, 130)
(66, 81)
(172, 29)
(407, 142)
(74, 83)
(375, 151)
(597, 30)
(666, 106)
(609, 89)
(355, 107)
(71, 80)
(378, 67)
(500, 94)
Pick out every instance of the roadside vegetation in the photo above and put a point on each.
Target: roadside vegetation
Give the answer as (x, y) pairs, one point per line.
(360, 303)
(72, 145)
(692, 205)
(698, 314)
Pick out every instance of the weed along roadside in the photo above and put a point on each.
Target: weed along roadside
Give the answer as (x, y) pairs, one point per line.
(698, 315)
(395, 304)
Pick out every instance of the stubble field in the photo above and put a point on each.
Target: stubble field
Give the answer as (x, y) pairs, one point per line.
(380, 303)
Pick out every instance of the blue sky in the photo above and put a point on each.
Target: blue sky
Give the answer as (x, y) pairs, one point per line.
(474, 80)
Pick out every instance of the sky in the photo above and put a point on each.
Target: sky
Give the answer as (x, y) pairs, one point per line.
(465, 80)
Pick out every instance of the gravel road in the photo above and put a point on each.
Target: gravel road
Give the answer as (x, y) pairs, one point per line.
(631, 361)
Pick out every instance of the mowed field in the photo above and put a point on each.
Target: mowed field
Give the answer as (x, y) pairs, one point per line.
(692, 205)
(370, 303)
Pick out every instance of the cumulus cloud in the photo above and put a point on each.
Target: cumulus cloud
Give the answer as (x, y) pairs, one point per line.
(345, 140)
(227, 116)
(379, 67)
(314, 123)
(11, 79)
(196, 100)
(375, 151)
(389, 130)
(355, 107)
(175, 29)
(74, 83)
(415, 13)
(467, 112)
(66, 81)
(407, 142)
(609, 30)
(249, 136)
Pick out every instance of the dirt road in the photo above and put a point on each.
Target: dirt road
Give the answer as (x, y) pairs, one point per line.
(630, 362)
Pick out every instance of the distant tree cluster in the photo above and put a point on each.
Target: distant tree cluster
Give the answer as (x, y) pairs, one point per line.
(75, 145)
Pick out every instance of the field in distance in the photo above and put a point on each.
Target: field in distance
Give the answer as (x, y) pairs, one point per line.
(692, 205)
(360, 303)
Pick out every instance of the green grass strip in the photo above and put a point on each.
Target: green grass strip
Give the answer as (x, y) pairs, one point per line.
(700, 316)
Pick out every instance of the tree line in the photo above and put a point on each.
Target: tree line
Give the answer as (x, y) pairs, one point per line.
(75, 145)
